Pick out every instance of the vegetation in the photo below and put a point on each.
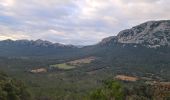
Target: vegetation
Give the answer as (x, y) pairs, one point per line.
(11, 89)
(75, 84)
(111, 90)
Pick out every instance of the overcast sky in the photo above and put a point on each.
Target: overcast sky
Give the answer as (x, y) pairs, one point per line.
(79, 22)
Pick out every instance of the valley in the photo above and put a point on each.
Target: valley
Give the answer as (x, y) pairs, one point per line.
(66, 82)
(131, 61)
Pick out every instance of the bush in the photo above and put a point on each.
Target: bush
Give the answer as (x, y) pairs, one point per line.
(11, 89)
(111, 90)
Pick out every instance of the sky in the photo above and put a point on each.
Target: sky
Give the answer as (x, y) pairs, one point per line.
(78, 22)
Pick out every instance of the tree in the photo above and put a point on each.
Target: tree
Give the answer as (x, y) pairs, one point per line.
(111, 90)
(11, 89)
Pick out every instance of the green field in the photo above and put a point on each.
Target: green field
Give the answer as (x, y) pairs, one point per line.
(63, 66)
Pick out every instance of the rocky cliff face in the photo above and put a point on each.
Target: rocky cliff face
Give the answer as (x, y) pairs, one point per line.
(150, 34)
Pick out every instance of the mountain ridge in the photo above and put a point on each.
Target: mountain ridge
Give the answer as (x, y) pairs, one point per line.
(38, 42)
(151, 34)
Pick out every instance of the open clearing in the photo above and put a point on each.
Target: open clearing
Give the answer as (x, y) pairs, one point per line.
(126, 78)
(39, 70)
(73, 64)
(82, 61)
(63, 66)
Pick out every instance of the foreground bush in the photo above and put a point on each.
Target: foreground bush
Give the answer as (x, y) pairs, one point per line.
(111, 90)
(11, 89)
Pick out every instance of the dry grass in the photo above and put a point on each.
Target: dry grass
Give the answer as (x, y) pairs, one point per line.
(40, 70)
(73, 64)
(126, 78)
(82, 61)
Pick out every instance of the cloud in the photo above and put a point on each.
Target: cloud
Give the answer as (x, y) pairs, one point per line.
(79, 22)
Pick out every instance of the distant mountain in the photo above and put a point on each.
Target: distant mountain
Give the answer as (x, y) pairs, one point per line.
(36, 43)
(151, 34)
(35, 48)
